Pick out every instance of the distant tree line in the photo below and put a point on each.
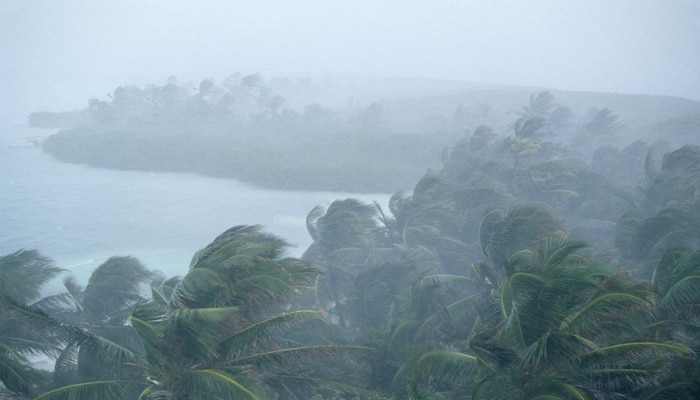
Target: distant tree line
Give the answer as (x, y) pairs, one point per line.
(242, 128)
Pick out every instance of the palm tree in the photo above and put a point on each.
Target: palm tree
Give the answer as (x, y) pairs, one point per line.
(424, 226)
(676, 285)
(24, 273)
(345, 241)
(664, 213)
(503, 233)
(25, 331)
(568, 328)
(217, 332)
(101, 308)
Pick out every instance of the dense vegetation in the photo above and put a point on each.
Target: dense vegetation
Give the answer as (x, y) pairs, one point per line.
(301, 135)
(518, 270)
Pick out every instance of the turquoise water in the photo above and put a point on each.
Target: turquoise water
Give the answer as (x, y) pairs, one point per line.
(79, 215)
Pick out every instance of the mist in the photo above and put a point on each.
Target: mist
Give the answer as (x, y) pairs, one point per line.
(349, 199)
(57, 54)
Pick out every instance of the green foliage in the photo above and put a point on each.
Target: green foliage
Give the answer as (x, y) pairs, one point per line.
(518, 271)
(23, 273)
(216, 333)
(26, 331)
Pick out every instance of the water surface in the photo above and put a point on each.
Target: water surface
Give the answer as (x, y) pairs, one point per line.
(79, 215)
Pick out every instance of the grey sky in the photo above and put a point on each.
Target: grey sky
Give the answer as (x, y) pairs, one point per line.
(56, 54)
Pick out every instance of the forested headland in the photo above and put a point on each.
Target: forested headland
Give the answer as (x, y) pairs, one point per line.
(359, 135)
(547, 253)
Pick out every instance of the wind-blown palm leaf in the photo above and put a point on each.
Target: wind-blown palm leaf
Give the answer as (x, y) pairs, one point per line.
(625, 367)
(197, 289)
(676, 281)
(312, 222)
(299, 387)
(677, 390)
(99, 347)
(592, 317)
(88, 390)
(200, 329)
(104, 343)
(23, 273)
(204, 384)
(503, 234)
(66, 366)
(14, 372)
(502, 385)
(293, 357)
(162, 291)
(270, 287)
(114, 287)
(243, 267)
(254, 335)
(554, 349)
(444, 366)
(529, 127)
(684, 292)
(240, 241)
(602, 123)
(674, 265)
(375, 290)
(34, 330)
(450, 316)
(541, 104)
(66, 306)
(25, 332)
(554, 250)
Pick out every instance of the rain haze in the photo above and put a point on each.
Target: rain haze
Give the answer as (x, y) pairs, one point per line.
(57, 54)
(335, 199)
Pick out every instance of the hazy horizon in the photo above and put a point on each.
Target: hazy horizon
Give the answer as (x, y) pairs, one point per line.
(57, 54)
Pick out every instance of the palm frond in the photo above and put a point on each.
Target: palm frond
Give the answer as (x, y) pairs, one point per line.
(252, 336)
(555, 350)
(89, 390)
(554, 250)
(312, 222)
(684, 292)
(605, 306)
(502, 385)
(214, 383)
(147, 319)
(23, 273)
(293, 357)
(201, 329)
(14, 374)
(300, 387)
(444, 366)
(99, 347)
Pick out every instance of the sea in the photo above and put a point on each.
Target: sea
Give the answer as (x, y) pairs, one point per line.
(79, 216)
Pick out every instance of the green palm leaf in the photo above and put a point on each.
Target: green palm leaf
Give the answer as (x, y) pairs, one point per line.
(600, 309)
(99, 347)
(254, 335)
(502, 385)
(684, 292)
(444, 366)
(206, 384)
(23, 273)
(88, 390)
(292, 357)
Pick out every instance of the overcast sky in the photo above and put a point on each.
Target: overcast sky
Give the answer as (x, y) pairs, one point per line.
(56, 54)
